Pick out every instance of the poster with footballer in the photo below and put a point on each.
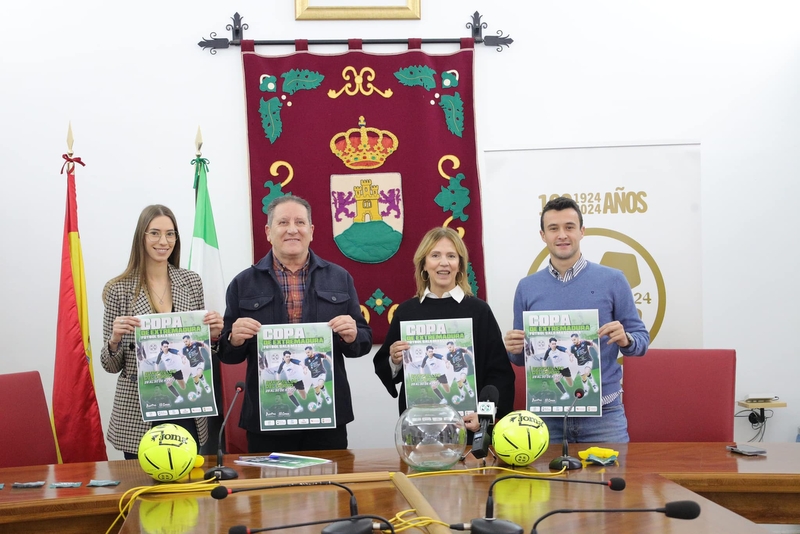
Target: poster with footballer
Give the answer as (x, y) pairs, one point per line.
(295, 376)
(562, 362)
(173, 352)
(439, 368)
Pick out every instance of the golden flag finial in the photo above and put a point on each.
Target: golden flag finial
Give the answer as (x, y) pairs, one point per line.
(70, 139)
(198, 142)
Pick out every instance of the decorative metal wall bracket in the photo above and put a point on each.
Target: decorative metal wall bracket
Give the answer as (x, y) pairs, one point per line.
(477, 27)
(214, 43)
(237, 32)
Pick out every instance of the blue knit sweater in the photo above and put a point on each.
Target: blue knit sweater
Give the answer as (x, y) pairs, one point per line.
(595, 287)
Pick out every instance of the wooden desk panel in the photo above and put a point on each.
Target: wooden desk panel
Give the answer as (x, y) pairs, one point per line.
(523, 502)
(456, 499)
(65, 510)
(259, 509)
(762, 489)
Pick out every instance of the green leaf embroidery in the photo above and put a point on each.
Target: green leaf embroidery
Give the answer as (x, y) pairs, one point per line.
(275, 191)
(417, 75)
(472, 279)
(454, 197)
(271, 118)
(379, 301)
(268, 84)
(453, 113)
(449, 80)
(295, 80)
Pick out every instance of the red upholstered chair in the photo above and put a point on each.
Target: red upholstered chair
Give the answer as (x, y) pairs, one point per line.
(27, 433)
(519, 387)
(235, 437)
(680, 395)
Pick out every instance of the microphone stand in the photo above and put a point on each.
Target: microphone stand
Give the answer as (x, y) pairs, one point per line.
(487, 409)
(565, 460)
(220, 472)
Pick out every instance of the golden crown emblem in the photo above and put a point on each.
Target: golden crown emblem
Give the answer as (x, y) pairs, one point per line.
(362, 147)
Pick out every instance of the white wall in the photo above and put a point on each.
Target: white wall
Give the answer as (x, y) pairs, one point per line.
(136, 86)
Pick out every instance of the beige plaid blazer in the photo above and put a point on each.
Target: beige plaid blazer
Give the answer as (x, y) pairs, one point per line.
(126, 427)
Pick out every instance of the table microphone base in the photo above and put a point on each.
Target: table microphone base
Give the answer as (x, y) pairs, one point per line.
(568, 462)
(221, 473)
(494, 526)
(350, 526)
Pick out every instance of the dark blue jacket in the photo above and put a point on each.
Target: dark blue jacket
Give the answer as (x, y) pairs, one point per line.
(256, 293)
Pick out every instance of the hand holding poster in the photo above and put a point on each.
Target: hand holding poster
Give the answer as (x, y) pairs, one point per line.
(173, 352)
(561, 356)
(295, 379)
(439, 368)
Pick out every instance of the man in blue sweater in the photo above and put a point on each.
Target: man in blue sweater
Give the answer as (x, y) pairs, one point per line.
(570, 282)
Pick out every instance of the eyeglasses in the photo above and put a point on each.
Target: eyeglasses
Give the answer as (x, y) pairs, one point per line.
(155, 236)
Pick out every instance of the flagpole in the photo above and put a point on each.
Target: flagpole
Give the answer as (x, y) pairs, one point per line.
(204, 259)
(70, 142)
(76, 415)
(198, 144)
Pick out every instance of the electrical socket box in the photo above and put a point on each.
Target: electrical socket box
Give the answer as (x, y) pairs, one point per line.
(760, 397)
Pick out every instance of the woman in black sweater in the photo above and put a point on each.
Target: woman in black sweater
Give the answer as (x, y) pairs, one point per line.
(443, 292)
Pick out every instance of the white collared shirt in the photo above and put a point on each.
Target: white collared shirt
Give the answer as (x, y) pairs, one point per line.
(456, 294)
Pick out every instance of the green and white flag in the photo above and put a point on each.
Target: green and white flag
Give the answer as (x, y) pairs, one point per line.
(204, 258)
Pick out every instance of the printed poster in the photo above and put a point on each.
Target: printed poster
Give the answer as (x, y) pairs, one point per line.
(439, 368)
(281, 460)
(295, 379)
(562, 357)
(173, 352)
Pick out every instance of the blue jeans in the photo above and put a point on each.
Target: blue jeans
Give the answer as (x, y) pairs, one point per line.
(612, 427)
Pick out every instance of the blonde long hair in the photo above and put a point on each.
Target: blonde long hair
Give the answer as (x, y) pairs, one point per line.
(137, 262)
(429, 241)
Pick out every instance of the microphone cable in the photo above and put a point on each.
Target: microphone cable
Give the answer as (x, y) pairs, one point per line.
(222, 492)
(382, 524)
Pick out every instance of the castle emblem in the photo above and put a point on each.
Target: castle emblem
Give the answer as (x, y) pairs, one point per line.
(367, 212)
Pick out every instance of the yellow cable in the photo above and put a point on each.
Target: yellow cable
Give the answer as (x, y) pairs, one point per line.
(421, 522)
(476, 470)
(134, 493)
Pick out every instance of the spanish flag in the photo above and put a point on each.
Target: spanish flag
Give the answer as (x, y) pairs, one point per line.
(76, 417)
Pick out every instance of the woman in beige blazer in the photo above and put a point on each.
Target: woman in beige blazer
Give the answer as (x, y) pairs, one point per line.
(152, 282)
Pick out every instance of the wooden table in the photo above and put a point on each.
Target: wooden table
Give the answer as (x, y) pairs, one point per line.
(762, 489)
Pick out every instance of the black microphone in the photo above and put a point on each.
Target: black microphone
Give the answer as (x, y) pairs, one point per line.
(360, 524)
(221, 472)
(565, 461)
(675, 509)
(491, 525)
(221, 492)
(487, 409)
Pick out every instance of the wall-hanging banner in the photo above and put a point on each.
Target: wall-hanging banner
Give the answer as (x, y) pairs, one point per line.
(382, 146)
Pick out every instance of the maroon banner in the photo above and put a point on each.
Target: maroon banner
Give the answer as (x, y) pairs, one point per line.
(383, 148)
